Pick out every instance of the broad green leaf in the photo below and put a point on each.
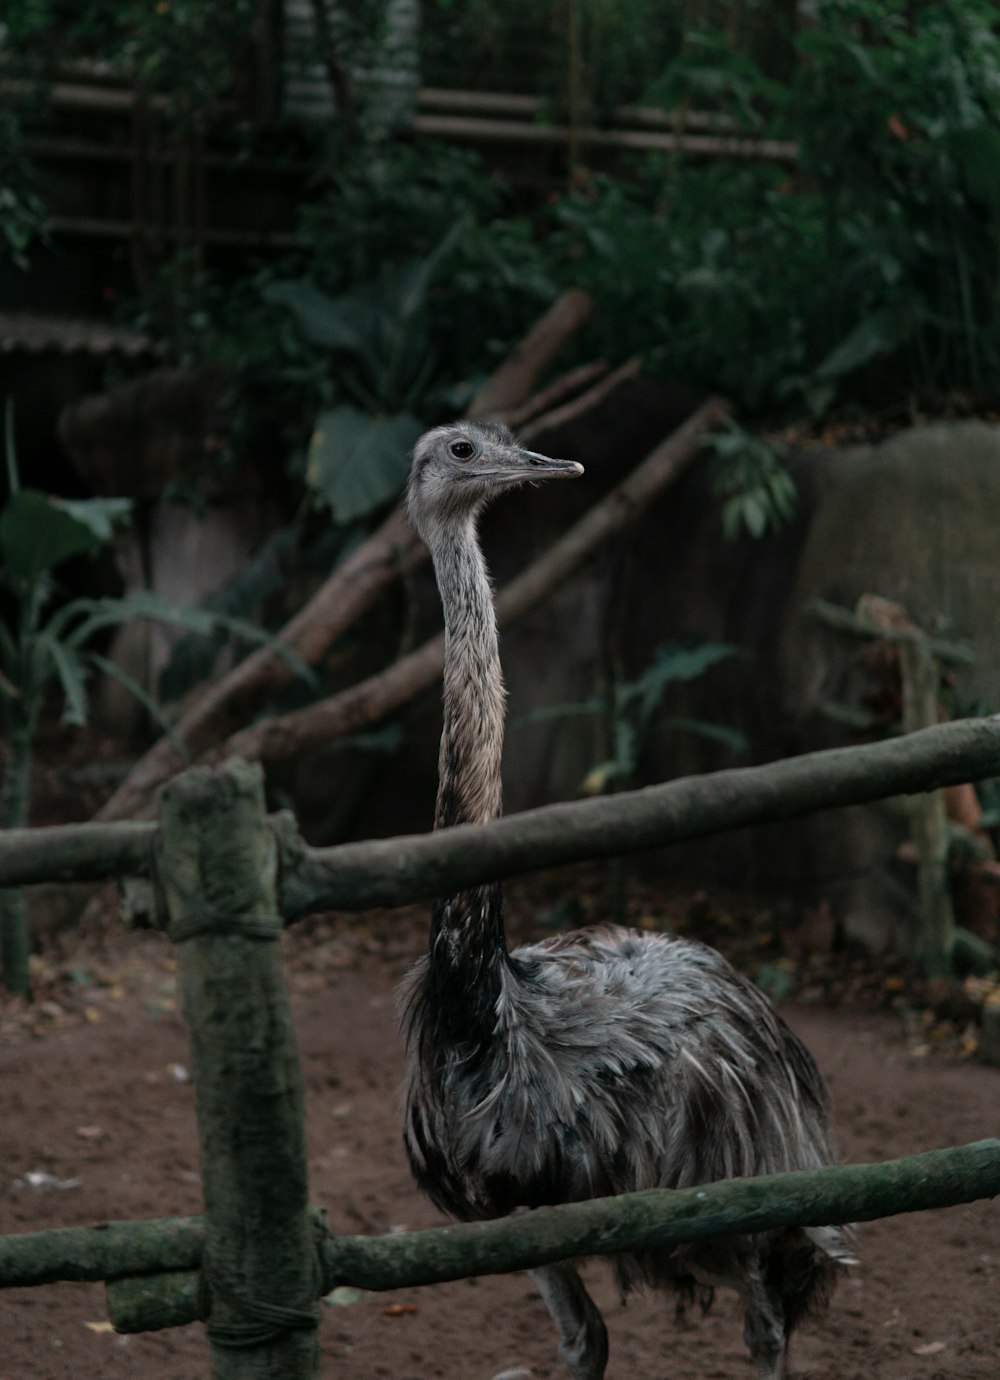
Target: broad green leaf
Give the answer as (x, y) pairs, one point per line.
(357, 462)
(406, 290)
(38, 533)
(338, 323)
(872, 336)
(98, 514)
(754, 514)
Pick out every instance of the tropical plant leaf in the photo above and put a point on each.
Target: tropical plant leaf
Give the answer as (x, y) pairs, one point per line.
(100, 515)
(337, 323)
(358, 462)
(563, 711)
(147, 701)
(38, 533)
(716, 733)
(72, 675)
(873, 335)
(192, 657)
(104, 613)
(671, 663)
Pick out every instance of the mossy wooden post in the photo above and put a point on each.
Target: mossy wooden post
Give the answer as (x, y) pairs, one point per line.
(921, 676)
(217, 867)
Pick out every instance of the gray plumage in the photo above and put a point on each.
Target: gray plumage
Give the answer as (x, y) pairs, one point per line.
(597, 1062)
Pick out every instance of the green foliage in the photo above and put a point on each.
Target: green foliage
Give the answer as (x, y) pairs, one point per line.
(874, 264)
(619, 48)
(394, 204)
(358, 462)
(632, 711)
(748, 474)
(22, 215)
(188, 51)
(378, 332)
(630, 714)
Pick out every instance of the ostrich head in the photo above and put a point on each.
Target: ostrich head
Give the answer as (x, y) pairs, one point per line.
(458, 468)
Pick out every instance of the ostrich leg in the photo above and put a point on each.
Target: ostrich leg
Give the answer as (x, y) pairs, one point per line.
(583, 1338)
(764, 1328)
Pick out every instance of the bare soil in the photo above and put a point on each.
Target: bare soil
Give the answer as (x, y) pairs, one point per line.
(94, 1093)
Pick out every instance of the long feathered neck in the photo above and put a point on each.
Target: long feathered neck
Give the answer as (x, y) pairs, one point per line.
(468, 951)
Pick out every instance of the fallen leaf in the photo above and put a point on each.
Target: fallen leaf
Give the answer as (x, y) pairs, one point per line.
(99, 1326)
(395, 1310)
(92, 1014)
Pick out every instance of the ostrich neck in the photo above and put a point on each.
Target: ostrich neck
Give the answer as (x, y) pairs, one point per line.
(469, 782)
(468, 949)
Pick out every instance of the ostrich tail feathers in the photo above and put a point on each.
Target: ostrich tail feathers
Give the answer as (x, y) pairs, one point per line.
(835, 1242)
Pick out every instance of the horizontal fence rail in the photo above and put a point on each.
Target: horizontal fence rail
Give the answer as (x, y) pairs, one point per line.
(394, 872)
(164, 1255)
(222, 880)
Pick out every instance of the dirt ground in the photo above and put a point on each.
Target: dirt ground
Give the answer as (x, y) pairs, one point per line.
(94, 1093)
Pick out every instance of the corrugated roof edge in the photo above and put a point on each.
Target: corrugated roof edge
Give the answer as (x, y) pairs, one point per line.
(34, 334)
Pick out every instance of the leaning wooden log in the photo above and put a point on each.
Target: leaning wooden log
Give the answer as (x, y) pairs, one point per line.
(287, 735)
(518, 377)
(583, 402)
(344, 596)
(654, 1219)
(556, 392)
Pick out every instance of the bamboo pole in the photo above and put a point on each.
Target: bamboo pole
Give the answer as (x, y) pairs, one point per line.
(217, 866)
(654, 1220)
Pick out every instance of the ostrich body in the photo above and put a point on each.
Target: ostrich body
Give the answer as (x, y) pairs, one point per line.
(596, 1062)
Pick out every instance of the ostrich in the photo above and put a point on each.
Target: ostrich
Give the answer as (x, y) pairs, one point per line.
(596, 1062)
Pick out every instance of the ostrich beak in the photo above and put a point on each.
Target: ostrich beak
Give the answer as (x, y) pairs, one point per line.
(545, 467)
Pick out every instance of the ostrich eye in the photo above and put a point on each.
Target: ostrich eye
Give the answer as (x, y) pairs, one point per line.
(462, 450)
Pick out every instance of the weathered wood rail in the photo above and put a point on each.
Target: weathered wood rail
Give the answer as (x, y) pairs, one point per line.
(223, 878)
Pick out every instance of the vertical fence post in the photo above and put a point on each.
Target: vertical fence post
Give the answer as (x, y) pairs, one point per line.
(921, 676)
(217, 867)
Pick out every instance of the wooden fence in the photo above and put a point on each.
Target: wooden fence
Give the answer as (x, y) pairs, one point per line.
(222, 878)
